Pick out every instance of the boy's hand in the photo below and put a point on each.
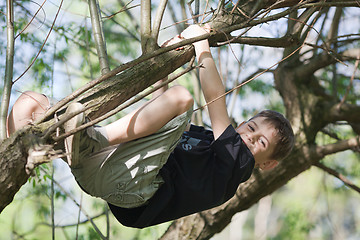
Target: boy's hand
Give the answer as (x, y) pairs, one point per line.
(195, 31)
(190, 32)
(172, 41)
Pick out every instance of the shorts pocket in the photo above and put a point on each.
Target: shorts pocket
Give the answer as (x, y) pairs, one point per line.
(125, 200)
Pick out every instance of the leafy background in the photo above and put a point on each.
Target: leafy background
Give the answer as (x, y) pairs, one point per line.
(312, 206)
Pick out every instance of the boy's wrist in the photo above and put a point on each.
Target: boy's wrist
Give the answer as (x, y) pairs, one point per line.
(200, 47)
(204, 54)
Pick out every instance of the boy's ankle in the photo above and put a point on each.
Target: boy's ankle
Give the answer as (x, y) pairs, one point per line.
(72, 142)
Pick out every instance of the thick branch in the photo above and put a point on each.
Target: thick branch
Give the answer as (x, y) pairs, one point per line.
(13, 159)
(145, 61)
(339, 146)
(120, 107)
(325, 59)
(343, 112)
(282, 42)
(145, 25)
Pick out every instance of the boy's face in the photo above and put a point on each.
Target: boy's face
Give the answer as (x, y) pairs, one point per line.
(260, 137)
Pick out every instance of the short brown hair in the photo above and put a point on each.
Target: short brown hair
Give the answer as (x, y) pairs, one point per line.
(285, 134)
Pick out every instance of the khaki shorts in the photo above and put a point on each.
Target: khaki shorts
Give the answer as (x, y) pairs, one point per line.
(126, 175)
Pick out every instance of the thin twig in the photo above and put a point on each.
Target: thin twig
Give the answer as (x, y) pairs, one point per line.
(123, 9)
(70, 224)
(8, 68)
(187, 19)
(246, 82)
(42, 46)
(31, 20)
(98, 35)
(193, 15)
(52, 200)
(115, 71)
(82, 209)
(158, 19)
(350, 84)
(338, 175)
(31, 231)
(203, 15)
(79, 214)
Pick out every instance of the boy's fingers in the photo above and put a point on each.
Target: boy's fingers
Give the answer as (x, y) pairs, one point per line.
(207, 27)
(193, 31)
(172, 41)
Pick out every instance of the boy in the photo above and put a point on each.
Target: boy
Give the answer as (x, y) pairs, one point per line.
(150, 172)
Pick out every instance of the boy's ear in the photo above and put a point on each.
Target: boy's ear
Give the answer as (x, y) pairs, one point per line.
(269, 165)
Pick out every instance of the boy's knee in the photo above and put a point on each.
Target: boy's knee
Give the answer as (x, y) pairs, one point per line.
(182, 96)
(33, 100)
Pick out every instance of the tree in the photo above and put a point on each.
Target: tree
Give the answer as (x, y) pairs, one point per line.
(314, 104)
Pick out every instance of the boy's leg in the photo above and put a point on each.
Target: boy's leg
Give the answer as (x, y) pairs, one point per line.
(144, 121)
(151, 117)
(27, 108)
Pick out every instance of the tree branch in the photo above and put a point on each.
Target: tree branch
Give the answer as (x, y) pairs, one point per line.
(8, 69)
(343, 112)
(325, 59)
(322, 151)
(338, 175)
(145, 25)
(179, 27)
(50, 113)
(82, 209)
(42, 46)
(119, 108)
(73, 224)
(281, 42)
(339, 3)
(132, 35)
(99, 36)
(158, 19)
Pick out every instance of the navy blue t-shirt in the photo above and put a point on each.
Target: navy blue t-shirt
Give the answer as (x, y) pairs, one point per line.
(200, 174)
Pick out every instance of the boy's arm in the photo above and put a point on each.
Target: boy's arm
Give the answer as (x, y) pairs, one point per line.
(210, 80)
(160, 90)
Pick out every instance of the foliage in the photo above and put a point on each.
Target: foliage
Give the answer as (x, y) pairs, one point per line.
(295, 225)
(69, 60)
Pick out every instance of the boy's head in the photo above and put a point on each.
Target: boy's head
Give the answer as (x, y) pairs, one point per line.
(269, 137)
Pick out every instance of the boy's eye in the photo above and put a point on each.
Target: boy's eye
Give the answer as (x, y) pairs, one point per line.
(251, 128)
(262, 142)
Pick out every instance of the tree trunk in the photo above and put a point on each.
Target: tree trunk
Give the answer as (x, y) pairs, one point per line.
(307, 106)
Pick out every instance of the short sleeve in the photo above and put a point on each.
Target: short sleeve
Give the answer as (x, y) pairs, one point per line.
(232, 153)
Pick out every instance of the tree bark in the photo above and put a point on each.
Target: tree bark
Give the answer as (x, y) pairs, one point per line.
(304, 100)
(111, 93)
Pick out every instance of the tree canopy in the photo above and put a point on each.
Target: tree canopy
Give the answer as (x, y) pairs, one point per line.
(300, 58)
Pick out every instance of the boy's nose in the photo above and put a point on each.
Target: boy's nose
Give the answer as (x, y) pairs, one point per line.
(251, 138)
